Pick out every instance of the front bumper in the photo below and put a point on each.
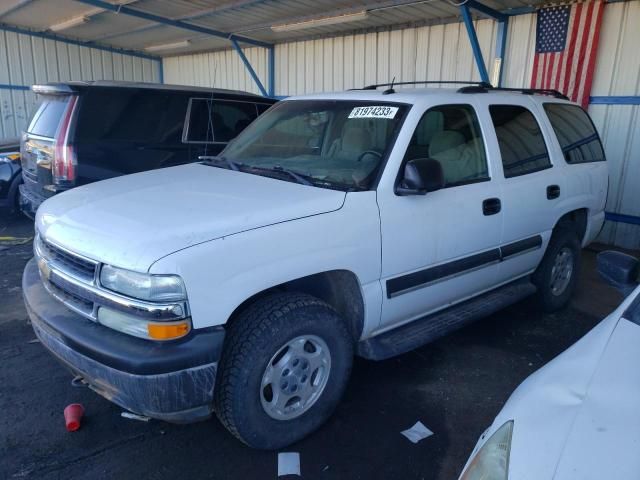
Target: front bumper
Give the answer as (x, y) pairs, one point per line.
(172, 381)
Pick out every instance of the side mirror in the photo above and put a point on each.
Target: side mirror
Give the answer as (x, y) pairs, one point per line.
(619, 270)
(421, 175)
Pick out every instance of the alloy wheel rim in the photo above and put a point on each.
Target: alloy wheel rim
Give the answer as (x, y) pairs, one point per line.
(561, 271)
(295, 377)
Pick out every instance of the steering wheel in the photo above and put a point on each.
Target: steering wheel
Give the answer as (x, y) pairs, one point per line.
(373, 152)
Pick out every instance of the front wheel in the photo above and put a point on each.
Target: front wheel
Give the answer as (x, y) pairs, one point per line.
(285, 365)
(557, 275)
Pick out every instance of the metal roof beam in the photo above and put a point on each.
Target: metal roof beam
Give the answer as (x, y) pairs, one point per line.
(124, 10)
(193, 16)
(72, 41)
(249, 68)
(13, 8)
(475, 45)
(488, 11)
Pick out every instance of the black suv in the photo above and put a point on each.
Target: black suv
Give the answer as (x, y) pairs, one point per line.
(83, 132)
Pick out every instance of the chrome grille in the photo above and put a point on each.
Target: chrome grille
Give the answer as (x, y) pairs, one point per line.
(74, 302)
(55, 261)
(69, 262)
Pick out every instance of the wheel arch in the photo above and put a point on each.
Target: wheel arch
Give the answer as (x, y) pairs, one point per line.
(340, 289)
(577, 220)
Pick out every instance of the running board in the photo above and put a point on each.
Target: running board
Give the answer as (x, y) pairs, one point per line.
(431, 327)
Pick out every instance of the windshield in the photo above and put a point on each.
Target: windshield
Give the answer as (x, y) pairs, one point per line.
(329, 143)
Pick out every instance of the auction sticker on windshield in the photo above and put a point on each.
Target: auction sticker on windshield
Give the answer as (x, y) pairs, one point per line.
(374, 112)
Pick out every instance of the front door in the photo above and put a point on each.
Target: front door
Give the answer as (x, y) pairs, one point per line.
(441, 248)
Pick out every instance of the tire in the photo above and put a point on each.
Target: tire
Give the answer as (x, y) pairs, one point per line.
(554, 292)
(256, 343)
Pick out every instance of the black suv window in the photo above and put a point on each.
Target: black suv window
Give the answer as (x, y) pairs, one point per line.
(575, 131)
(132, 115)
(226, 119)
(46, 119)
(451, 135)
(520, 139)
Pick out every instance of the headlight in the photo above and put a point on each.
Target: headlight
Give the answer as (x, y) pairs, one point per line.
(491, 462)
(133, 325)
(153, 288)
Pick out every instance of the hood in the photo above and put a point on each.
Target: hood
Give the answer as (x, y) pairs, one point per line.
(134, 220)
(578, 417)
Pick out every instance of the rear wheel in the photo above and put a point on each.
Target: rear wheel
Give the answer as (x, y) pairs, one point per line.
(557, 274)
(284, 367)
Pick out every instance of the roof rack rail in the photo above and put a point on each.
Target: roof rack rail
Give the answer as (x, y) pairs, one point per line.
(525, 91)
(425, 82)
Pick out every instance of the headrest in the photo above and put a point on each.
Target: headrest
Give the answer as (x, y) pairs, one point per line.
(445, 140)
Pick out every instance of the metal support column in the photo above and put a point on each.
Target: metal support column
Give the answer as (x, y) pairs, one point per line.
(501, 47)
(475, 45)
(272, 71)
(249, 68)
(501, 42)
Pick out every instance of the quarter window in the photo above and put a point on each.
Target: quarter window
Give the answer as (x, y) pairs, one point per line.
(575, 132)
(451, 135)
(520, 139)
(217, 121)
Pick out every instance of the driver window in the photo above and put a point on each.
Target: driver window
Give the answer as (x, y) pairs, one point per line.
(451, 135)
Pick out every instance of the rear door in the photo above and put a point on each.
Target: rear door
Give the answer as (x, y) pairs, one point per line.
(532, 184)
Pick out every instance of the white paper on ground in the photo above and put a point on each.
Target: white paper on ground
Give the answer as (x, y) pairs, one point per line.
(133, 416)
(288, 464)
(417, 432)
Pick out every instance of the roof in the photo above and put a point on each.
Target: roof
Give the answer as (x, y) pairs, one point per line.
(140, 24)
(414, 95)
(78, 85)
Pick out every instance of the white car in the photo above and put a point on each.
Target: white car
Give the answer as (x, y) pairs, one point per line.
(365, 222)
(578, 416)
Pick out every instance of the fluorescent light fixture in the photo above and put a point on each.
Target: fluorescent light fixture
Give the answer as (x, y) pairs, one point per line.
(168, 46)
(72, 22)
(320, 22)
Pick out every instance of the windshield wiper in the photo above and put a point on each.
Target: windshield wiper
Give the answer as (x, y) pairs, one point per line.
(301, 178)
(214, 160)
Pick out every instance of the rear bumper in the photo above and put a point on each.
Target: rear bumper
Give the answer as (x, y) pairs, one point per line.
(172, 381)
(29, 201)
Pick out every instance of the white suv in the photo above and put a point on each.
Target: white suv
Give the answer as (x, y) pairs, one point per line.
(367, 222)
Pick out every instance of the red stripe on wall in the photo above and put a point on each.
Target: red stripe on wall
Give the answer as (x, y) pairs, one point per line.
(582, 53)
(577, 11)
(592, 59)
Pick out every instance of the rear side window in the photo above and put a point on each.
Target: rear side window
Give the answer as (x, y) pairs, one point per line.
(47, 117)
(217, 121)
(132, 115)
(575, 132)
(520, 139)
(451, 135)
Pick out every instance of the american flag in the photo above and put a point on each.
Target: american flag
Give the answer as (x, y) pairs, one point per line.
(566, 45)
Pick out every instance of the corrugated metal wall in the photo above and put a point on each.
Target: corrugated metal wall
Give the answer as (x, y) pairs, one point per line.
(444, 52)
(27, 59)
(338, 63)
(617, 74)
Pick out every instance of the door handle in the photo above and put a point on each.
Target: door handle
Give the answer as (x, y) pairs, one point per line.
(491, 206)
(553, 191)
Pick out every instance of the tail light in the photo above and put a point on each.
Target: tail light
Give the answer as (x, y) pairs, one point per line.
(64, 162)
